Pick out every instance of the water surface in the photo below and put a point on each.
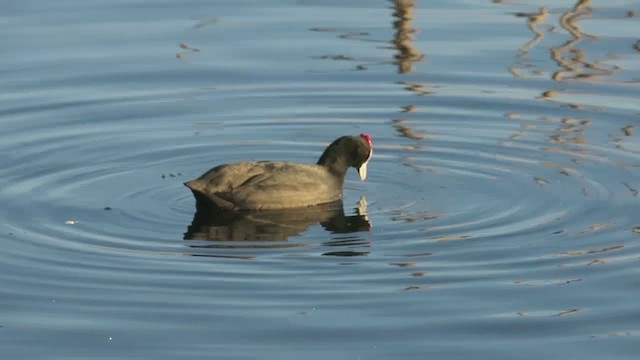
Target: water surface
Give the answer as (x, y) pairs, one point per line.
(499, 217)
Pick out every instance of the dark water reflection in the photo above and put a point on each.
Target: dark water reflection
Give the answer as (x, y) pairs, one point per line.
(272, 226)
(503, 190)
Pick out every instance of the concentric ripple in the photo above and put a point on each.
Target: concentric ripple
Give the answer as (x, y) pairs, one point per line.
(480, 200)
(499, 212)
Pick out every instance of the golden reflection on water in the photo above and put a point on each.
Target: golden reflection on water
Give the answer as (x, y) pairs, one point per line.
(571, 58)
(408, 53)
(534, 20)
(572, 63)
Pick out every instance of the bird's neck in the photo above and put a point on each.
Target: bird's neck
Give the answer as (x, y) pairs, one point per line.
(335, 161)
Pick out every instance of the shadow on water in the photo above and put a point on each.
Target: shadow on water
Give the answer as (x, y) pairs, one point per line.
(223, 229)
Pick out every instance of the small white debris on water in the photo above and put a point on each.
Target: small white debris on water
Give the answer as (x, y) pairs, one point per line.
(70, 222)
(110, 338)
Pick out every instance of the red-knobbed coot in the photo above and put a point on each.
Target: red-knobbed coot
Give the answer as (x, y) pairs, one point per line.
(267, 185)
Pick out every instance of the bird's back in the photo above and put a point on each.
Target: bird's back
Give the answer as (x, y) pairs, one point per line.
(267, 185)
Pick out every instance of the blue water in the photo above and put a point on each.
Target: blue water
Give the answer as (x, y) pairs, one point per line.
(499, 219)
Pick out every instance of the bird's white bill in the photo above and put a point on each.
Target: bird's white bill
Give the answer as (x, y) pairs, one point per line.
(362, 171)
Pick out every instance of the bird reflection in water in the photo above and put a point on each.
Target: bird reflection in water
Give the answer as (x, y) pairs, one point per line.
(255, 229)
